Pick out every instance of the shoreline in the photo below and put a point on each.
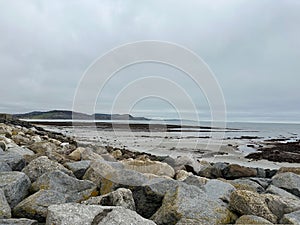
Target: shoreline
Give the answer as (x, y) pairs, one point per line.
(171, 144)
(47, 177)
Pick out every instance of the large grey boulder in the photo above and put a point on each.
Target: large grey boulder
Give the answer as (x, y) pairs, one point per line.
(42, 147)
(295, 170)
(190, 202)
(280, 192)
(18, 222)
(234, 171)
(75, 190)
(213, 171)
(109, 176)
(15, 186)
(36, 205)
(288, 181)
(78, 168)
(14, 160)
(120, 216)
(80, 214)
(81, 153)
(147, 166)
(251, 203)
(250, 219)
(247, 184)
(264, 182)
(20, 150)
(5, 211)
(4, 167)
(121, 197)
(218, 190)
(184, 162)
(196, 181)
(148, 191)
(280, 205)
(291, 218)
(41, 165)
(149, 196)
(21, 139)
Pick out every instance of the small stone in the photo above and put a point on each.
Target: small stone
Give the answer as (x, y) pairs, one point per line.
(36, 138)
(76, 154)
(117, 154)
(181, 175)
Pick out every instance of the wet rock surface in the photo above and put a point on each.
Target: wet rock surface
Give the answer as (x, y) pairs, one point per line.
(281, 152)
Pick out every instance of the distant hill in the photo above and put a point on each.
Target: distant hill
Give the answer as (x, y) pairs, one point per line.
(67, 115)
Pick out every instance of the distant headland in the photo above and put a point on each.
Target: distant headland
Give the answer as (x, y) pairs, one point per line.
(68, 115)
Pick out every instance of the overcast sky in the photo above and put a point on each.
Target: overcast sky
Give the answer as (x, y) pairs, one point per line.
(252, 46)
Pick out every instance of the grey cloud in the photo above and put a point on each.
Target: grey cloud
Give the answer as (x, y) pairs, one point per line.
(252, 47)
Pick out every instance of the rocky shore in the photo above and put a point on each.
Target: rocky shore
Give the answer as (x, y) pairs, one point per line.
(48, 178)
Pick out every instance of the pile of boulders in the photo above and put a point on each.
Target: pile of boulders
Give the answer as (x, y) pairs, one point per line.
(50, 179)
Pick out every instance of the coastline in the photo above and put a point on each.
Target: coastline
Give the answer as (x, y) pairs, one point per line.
(63, 178)
(243, 149)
